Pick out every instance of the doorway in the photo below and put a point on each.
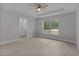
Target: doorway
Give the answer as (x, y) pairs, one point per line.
(22, 27)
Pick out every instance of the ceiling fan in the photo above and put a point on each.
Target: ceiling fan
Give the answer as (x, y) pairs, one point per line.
(39, 6)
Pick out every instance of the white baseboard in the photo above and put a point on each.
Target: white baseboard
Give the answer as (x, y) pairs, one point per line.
(29, 37)
(67, 40)
(71, 41)
(6, 42)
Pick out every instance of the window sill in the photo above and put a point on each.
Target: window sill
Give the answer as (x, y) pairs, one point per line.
(49, 34)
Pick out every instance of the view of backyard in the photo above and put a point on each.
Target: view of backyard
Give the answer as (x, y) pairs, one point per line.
(51, 27)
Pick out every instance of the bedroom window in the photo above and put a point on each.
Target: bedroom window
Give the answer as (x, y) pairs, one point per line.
(51, 27)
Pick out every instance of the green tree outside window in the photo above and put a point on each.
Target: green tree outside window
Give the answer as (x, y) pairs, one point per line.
(54, 25)
(46, 25)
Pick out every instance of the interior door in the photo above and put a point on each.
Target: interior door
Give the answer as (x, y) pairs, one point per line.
(22, 27)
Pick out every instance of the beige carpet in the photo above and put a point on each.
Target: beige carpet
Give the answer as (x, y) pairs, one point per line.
(38, 47)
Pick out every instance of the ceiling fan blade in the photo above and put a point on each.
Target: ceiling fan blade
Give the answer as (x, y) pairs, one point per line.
(45, 6)
(44, 9)
(52, 12)
(38, 4)
(33, 8)
(33, 5)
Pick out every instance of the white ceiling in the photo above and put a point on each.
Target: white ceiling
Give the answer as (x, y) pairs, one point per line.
(52, 9)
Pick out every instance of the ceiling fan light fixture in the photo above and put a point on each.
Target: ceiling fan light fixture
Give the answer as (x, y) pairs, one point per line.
(38, 9)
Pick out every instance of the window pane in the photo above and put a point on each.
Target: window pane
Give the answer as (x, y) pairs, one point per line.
(54, 25)
(46, 25)
(51, 27)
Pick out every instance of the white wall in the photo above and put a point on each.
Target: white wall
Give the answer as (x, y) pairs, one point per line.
(31, 27)
(67, 27)
(9, 26)
(0, 21)
(77, 27)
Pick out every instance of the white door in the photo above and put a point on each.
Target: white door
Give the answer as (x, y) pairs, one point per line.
(22, 27)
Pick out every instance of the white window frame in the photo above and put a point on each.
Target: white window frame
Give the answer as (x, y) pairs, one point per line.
(49, 32)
